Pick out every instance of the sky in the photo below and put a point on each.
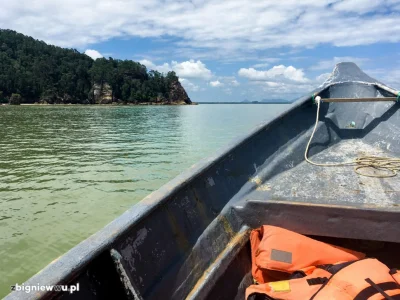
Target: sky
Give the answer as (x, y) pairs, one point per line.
(230, 50)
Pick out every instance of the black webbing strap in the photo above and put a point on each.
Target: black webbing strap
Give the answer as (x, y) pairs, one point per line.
(317, 280)
(377, 288)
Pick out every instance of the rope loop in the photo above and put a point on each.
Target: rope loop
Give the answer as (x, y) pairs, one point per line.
(387, 166)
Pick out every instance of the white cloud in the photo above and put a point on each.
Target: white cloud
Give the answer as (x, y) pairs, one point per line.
(149, 64)
(282, 89)
(276, 73)
(164, 68)
(330, 63)
(357, 6)
(321, 78)
(227, 91)
(216, 83)
(197, 25)
(227, 81)
(191, 69)
(390, 77)
(186, 69)
(292, 90)
(279, 90)
(234, 82)
(265, 62)
(281, 82)
(188, 85)
(273, 84)
(93, 53)
(261, 65)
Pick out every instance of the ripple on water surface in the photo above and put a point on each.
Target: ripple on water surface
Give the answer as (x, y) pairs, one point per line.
(66, 171)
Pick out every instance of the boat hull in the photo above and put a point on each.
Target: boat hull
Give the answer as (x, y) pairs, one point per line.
(190, 237)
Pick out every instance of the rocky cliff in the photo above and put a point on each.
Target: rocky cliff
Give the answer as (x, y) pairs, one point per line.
(103, 94)
(177, 94)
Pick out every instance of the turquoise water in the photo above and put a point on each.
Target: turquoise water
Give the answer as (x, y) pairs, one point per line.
(67, 171)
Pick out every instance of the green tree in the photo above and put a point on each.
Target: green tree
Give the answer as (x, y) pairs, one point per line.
(2, 98)
(15, 99)
(37, 71)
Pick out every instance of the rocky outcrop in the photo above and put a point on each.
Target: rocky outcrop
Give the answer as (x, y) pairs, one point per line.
(177, 94)
(160, 99)
(102, 94)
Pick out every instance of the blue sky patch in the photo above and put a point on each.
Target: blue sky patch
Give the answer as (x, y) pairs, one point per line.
(225, 50)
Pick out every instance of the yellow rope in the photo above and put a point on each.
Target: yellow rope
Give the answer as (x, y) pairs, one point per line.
(386, 164)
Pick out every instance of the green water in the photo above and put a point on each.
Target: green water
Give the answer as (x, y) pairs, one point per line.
(66, 171)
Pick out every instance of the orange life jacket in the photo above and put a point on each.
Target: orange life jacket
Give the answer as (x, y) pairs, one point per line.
(357, 280)
(278, 252)
(298, 288)
(363, 279)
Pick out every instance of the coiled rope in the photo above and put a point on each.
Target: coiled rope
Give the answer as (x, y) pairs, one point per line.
(388, 165)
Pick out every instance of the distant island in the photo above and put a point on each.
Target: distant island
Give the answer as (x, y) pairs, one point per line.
(268, 101)
(264, 101)
(32, 72)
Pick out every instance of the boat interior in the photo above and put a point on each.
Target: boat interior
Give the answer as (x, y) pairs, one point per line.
(190, 238)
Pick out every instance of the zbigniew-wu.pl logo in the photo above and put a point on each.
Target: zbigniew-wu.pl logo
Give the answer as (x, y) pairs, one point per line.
(43, 288)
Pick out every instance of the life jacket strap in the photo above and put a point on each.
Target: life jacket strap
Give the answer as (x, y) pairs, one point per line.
(373, 284)
(393, 271)
(377, 288)
(298, 274)
(317, 280)
(334, 268)
(395, 275)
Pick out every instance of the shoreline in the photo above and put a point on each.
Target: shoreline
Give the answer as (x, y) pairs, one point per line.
(116, 104)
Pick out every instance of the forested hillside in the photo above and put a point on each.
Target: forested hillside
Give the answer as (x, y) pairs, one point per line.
(32, 71)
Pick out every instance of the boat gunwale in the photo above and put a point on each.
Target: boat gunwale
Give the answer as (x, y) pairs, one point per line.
(67, 267)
